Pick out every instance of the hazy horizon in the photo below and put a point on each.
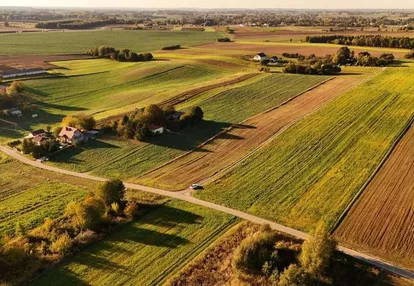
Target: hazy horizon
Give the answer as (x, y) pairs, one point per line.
(213, 4)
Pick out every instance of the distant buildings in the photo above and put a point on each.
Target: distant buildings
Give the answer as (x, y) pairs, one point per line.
(19, 73)
(260, 57)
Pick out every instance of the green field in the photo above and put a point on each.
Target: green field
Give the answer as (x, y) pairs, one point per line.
(80, 42)
(28, 195)
(126, 160)
(144, 252)
(312, 170)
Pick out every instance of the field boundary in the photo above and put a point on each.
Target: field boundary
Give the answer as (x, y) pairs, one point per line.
(235, 125)
(374, 173)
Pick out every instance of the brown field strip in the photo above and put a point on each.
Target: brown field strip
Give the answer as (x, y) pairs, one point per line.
(382, 219)
(234, 145)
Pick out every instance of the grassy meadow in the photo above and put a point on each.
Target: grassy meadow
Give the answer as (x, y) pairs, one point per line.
(28, 195)
(80, 41)
(171, 235)
(314, 169)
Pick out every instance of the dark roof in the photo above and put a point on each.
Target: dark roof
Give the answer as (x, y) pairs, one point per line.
(261, 54)
(38, 132)
(274, 58)
(8, 72)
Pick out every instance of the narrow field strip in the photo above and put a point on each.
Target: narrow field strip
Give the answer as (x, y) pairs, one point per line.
(382, 219)
(312, 171)
(233, 145)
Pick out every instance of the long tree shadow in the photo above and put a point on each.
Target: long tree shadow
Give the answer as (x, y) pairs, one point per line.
(190, 137)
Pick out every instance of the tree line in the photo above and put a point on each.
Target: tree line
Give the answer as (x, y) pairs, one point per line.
(125, 55)
(330, 64)
(11, 96)
(81, 24)
(364, 41)
(26, 253)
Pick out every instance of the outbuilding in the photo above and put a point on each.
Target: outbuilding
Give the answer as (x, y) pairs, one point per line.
(260, 57)
(155, 129)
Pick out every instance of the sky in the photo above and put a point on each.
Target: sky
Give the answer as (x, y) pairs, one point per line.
(295, 4)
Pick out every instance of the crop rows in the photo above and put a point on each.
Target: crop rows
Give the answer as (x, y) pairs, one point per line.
(312, 171)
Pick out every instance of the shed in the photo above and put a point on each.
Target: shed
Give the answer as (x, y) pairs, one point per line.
(260, 57)
(155, 129)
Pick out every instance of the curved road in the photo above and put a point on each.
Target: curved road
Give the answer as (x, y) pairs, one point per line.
(186, 196)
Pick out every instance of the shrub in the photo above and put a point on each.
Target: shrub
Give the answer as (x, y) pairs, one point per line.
(295, 276)
(87, 214)
(115, 208)
(62, 245)
(172, 47)
(86, 237)
(131, 210)
(111, 191)
(254, 252)
(224, 39)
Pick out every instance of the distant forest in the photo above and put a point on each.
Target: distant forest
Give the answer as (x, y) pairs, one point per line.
(365, 41)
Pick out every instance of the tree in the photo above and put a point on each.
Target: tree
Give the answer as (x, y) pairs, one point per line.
(27, 146)
(152, 114)
(342, 56)
(6, 24)
(196, 113)
(317, 251)
(70, 121)
(86, 122)
(61, 245)
(295, 276)
(111, 191)
(87, 214)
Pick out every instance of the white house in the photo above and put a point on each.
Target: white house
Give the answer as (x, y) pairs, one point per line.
(260, 57)
(155, 129)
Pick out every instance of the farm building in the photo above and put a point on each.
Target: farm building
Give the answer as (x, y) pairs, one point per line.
(71, 135)
(155, 129)
(260, 57)
(24, 72)
(35, 133)
(14, 112)
(38, 139)
(273, 60)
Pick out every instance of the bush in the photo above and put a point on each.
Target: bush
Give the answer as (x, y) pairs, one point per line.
(87, 214)
(173, 47)
(254, 252)
(224, 40)
(86, 237)
(62, 245)
(295, 276)
(111, 191)
(131, 210)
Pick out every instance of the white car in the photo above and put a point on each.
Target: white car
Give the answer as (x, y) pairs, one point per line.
(196, 187)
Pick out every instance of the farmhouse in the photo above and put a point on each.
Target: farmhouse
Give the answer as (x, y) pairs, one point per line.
(71, 135)
(260, 57)
(24, 72)
(155, 129)
(14, 112)
(38, 139)
(35, 133)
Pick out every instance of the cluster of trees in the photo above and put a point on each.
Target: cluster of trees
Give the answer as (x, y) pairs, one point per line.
(125, 55)
(172, 47)
(135, 125)
(45, 148)
(292, 56)
(316, 69)
(365, 59)
(365, 41)
(409, 55)
(80, 121)
(85, 221)
(81, 24)
(264, 259)
(11, 96)
(224, 39)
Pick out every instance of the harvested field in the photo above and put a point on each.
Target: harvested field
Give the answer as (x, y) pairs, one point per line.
(304, 49)
(8, 63)
(228, 148)
(382, 219)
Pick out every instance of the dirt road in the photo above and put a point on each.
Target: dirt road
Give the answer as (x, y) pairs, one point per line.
(186, 197)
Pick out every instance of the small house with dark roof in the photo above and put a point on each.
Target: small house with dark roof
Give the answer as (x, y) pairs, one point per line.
(273, 60)
(35, 133)
(260, 57)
